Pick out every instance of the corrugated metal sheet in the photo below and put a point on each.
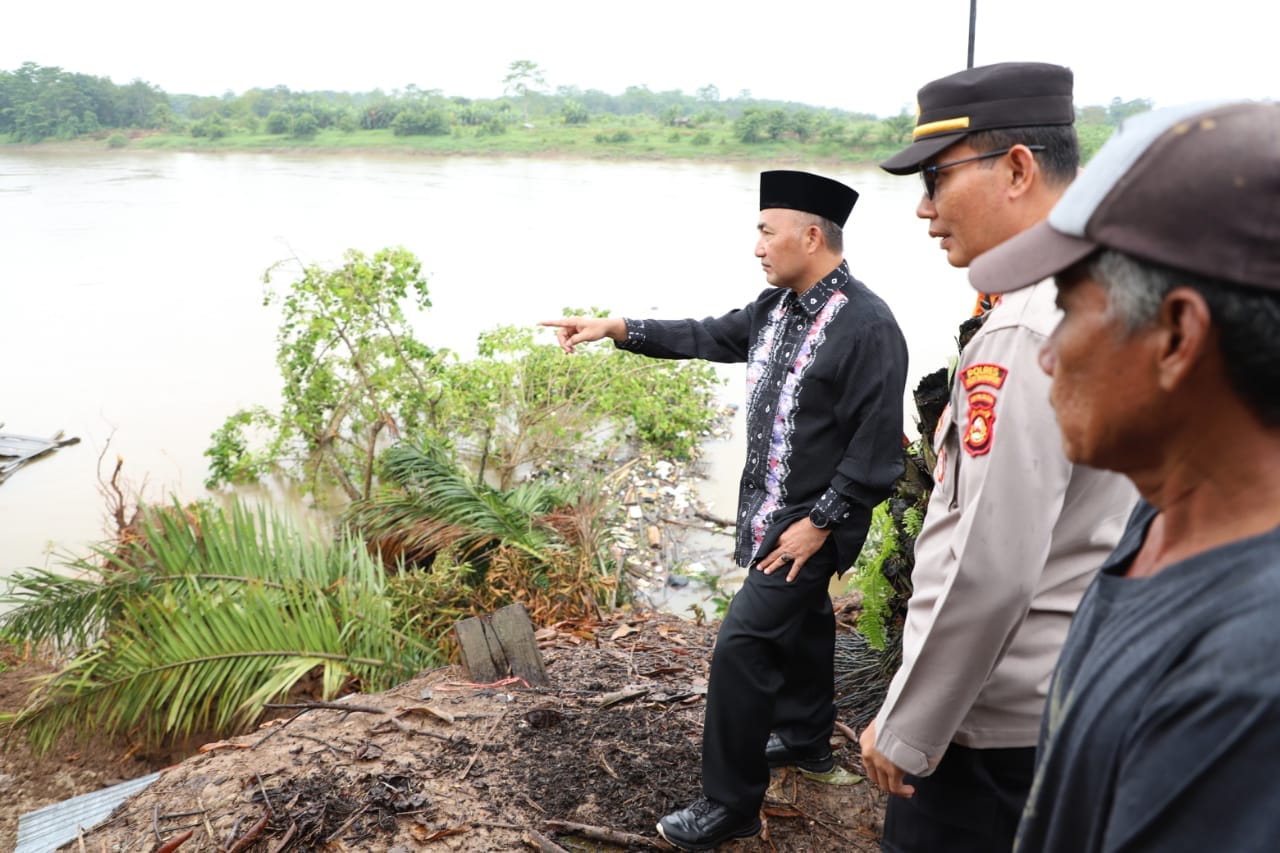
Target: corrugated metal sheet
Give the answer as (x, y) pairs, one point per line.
(18, 450)
(47, 829)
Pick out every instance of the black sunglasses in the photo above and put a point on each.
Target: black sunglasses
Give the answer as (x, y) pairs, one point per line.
(929, 174)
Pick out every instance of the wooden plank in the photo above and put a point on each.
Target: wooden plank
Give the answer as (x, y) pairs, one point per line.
(477, 653)
(515, 634)
(501, 645)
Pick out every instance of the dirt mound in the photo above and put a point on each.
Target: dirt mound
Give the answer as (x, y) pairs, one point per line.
(590, 763)
(71, 768)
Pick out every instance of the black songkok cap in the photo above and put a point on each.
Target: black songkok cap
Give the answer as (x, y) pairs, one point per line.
(992, 97)
(808, 192)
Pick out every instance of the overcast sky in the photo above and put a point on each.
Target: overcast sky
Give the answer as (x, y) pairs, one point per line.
(861, 56)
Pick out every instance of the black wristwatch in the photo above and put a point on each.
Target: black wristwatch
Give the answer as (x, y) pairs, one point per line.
(820, 519)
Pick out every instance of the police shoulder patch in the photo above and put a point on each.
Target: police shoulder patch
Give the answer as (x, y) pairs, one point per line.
(992, 375)
(979, 432)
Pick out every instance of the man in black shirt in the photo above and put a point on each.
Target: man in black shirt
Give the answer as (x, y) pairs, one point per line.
(1162, 728)
(826, 370)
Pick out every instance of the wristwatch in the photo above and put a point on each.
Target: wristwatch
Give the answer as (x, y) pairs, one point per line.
(820, 519)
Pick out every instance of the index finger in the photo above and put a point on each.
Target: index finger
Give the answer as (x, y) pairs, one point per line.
(562, 323)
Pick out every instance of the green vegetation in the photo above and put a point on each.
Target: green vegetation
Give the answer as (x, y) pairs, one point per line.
(199, 617)
(468, 548)
(39, 103)
(351, 369)
(356, 379)
(458, 487)
(868, 578)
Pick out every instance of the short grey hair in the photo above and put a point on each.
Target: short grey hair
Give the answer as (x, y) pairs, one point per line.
(831, 232)
(1248, 320)
(1135, 289)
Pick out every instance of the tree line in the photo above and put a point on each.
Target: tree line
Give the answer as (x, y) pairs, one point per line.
(45, 102)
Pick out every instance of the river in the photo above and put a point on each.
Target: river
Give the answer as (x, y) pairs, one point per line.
(131, 295)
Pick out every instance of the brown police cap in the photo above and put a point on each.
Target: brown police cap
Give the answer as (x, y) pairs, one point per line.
(1007, 94)
(806, 191)
(1194, 188)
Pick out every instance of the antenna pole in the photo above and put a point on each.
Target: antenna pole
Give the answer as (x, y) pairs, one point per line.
(973, 19)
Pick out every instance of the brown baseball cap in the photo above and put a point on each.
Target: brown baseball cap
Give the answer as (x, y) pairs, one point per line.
(991, 97)
(1195, 188)
(806, 191)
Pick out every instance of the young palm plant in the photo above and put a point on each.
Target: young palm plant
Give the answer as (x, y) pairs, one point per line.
(478, 548)
(438, 506)
(201, 619)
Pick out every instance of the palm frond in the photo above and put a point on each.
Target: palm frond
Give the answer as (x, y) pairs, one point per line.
(65, 611)
(174, 667)
(443, 507)
(205, 649)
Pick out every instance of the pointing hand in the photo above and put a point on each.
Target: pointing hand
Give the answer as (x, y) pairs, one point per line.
(572, 331)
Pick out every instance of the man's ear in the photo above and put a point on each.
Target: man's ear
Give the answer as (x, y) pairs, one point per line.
(813, 239)
(1187, 336)
(1022, 167)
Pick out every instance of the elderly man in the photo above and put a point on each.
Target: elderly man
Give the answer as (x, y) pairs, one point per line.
(826, 369)
(1163, 725)
(1014, 531)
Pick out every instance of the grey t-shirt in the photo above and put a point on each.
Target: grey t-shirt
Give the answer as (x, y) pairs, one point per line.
(1162, 730)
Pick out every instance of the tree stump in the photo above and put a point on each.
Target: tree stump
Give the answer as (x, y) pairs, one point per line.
(501, 645)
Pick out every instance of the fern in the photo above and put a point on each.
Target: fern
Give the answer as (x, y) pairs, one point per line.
(869, 579)
(913, 521)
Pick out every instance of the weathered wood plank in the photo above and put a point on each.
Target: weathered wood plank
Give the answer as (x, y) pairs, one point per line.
(477, 652)
(500, 645)
(515, 634)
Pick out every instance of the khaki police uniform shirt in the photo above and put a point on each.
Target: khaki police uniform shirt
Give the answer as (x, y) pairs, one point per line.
(1012, 536)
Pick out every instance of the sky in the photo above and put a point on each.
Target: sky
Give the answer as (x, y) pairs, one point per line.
(864, 57)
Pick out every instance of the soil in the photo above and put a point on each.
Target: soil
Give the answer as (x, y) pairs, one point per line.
(589, 763)
(71, 768)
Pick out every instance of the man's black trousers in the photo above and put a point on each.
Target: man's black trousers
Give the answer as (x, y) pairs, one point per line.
(773, 669)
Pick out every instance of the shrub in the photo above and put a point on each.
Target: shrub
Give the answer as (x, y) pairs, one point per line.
(117, 140)
(421, 123)
(304, 126)
(278, 122)
(618, 136)
(210, 127)
(751, 126)
(575, 113)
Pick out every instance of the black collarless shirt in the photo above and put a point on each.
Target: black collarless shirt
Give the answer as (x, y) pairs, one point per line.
(1162, 730)
(826, 371)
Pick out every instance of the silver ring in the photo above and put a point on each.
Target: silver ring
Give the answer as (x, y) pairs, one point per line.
(786, 558)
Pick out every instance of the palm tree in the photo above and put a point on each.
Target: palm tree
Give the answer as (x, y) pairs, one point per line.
(543, 544)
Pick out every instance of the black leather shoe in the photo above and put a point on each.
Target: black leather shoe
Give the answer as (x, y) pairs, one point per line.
(706, 824)
(781, 755)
